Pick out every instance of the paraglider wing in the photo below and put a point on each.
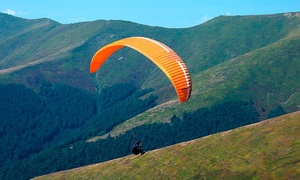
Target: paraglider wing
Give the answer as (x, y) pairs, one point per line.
(160, 54)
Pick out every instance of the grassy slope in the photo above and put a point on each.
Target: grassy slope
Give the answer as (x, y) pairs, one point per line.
(222, 39)
(44, 50)
(41, 40)
(266, 150)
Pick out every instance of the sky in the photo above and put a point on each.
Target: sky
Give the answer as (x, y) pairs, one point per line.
(163, 13)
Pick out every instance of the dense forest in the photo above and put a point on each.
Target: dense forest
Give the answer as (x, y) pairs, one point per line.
(31, 122)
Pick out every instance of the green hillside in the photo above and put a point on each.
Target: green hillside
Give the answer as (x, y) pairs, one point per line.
(59, 53)
(44, 50)
(266, 150)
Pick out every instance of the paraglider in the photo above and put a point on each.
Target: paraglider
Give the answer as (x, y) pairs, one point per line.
(137, 148)
(160, 54)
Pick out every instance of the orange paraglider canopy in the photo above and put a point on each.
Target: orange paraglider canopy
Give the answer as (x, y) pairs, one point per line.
(163, 56)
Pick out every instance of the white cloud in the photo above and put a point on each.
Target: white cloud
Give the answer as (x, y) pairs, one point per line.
(205, 18)
(10, 12)
(227, 14)
(79, 19)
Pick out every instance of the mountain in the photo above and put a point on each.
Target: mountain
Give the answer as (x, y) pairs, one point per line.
(34, 51)
(265, 150)
(244, 69)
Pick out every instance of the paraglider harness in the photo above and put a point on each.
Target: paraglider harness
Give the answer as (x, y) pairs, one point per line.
(137, 147)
